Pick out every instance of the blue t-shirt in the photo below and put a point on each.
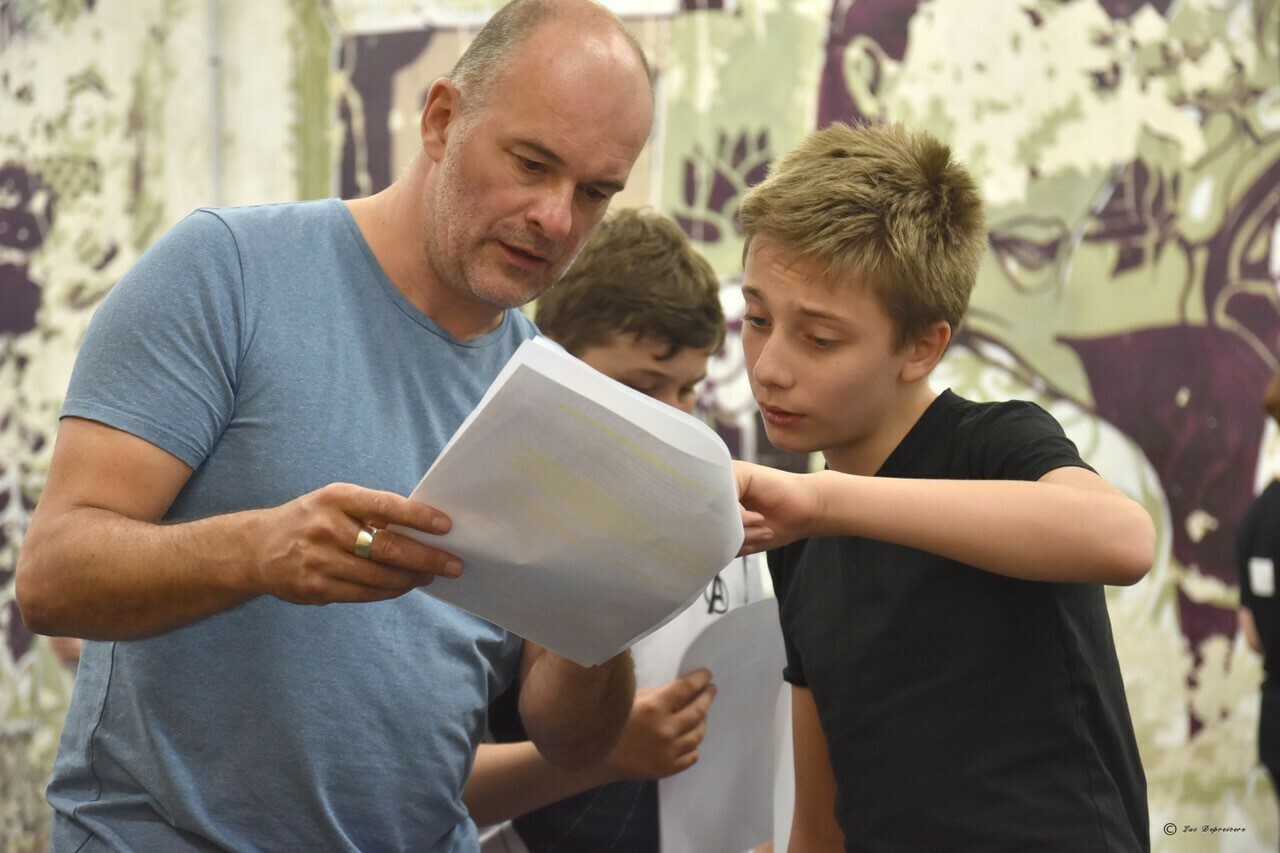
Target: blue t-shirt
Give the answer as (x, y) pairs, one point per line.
(266, 349)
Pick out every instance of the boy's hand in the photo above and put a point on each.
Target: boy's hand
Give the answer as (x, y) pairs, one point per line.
(778, 507)
(664, 730)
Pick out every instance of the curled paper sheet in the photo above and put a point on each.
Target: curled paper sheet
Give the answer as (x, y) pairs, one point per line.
(585, 513)
(734, 775)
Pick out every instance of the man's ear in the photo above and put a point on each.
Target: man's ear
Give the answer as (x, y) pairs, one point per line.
(440, 117)
(924, 353)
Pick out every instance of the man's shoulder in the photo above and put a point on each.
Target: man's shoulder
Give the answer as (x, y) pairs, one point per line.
(265, 220)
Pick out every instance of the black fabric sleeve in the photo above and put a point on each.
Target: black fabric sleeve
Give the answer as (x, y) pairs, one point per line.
(1018, 440)
(782, 563)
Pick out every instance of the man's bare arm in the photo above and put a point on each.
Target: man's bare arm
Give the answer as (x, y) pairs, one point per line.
(97, 563)
(574, 714)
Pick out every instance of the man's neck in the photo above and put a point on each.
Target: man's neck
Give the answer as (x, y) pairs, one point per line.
(391, 224)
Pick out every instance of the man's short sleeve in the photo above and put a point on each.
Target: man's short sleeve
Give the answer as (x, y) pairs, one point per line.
(160, 357)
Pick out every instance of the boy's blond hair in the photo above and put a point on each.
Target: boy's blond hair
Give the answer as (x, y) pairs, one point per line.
(880, 205)
(638, 274)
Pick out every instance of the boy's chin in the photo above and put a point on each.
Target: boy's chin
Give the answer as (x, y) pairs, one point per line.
(788, 441)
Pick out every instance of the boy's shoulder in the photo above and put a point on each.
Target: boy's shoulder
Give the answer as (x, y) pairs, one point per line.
(990, 410)
(953, 415)
(958, 438)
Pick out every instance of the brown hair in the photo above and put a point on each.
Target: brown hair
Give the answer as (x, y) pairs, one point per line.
(637, 274)
(881, 205)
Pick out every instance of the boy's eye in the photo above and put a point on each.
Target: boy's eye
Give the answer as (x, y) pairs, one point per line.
(822, 343)
(530, 165)
(752, 320)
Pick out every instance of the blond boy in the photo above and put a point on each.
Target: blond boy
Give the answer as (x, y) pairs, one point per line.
(954, 680)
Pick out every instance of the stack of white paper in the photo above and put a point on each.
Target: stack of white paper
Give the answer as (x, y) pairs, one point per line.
(585, 513)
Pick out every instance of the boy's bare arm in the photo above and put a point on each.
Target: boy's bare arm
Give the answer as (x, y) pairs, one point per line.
(1249, 628)
(1071, 525)
(813, 823)
(661, 738)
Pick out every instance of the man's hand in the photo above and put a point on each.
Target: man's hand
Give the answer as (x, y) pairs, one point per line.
(664, 729)
(308, 547)
(778, 507)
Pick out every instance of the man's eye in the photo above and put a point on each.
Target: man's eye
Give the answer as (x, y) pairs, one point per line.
(594, 194)
(530, 165)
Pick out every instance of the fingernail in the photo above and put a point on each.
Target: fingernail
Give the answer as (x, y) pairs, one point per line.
(453, 567)
(440, 524)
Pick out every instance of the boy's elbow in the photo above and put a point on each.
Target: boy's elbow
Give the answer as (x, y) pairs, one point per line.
(1134, 550)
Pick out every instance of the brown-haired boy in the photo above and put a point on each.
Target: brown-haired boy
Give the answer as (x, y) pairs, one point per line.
(954, 680)
(643, 307)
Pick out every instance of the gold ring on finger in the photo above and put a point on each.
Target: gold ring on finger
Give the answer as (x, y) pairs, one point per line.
(364, 541)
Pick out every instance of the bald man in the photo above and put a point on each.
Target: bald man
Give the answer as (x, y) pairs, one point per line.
(252, 402)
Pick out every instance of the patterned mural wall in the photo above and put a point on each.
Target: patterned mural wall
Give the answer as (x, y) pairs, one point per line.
(1129, 152)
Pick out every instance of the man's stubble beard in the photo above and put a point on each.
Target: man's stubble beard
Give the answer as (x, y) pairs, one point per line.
(462, 276)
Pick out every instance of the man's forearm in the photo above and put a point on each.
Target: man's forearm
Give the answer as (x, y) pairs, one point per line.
(575, 714)
(96, 574)
(513, 779)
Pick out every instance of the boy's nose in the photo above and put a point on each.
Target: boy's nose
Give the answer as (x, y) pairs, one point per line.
(771, 367)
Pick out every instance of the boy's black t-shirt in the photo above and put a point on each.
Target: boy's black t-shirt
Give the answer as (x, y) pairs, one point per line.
(963, 710)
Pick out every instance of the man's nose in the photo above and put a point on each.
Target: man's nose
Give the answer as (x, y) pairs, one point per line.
(552, 210)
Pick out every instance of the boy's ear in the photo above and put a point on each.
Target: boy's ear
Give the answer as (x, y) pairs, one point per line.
(924, 353)
(439, 117)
